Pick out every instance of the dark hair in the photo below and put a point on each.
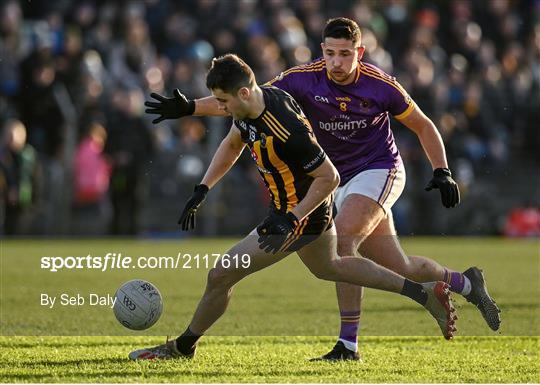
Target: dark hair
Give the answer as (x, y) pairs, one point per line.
(229, 73)
(342, 28)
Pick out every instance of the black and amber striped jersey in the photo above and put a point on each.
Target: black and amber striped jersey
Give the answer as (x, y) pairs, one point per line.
(284, 148)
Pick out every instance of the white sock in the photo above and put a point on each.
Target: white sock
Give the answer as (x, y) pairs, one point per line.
(466, 286)
(350, 345)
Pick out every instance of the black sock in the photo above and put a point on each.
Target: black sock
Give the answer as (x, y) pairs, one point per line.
(187, 341)
(415, 291)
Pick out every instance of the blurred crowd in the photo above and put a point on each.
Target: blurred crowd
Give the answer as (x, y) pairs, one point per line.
(79, 156)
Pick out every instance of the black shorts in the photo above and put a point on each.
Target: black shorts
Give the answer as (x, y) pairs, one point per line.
(311, 227)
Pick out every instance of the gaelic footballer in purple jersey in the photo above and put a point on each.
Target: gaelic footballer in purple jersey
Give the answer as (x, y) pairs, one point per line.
(357, 136)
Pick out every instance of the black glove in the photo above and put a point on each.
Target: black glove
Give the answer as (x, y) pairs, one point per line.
(170, 108)
(275, 230)
(187, 219)
(442, 179)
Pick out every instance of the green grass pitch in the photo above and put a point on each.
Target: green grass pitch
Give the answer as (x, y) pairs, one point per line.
(277, 320)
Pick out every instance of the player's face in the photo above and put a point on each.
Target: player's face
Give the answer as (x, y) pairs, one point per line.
(234, 105)
(341, 57)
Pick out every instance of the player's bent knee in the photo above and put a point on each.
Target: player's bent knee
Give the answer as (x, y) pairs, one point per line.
(347, 246)
(221, 278)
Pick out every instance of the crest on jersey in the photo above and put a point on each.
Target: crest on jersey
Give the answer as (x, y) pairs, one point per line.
(365, 103)
(263, 140)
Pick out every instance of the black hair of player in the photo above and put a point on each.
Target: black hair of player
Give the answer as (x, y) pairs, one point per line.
(229, 73)
(342, 28)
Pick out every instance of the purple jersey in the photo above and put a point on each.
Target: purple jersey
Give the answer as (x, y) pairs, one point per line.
(351, 122)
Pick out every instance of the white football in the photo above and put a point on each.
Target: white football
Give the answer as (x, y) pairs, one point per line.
(138, 304)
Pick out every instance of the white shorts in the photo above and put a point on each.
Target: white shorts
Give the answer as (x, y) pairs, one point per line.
(384, 186)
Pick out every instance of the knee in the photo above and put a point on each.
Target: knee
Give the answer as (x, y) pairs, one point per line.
(348, 240)
(220, 279)
(347, 245)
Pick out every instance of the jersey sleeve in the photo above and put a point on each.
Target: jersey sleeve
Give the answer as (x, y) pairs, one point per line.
(290, 82)
(399, 103)
(302, 151)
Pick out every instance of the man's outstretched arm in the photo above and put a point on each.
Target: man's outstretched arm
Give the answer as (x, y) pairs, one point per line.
(179, 106)
(208, 106)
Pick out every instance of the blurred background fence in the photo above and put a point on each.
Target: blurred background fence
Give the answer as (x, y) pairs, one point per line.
(78, 155)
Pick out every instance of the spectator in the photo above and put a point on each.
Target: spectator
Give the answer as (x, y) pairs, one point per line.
(91, 169)
(19, 177)
(91, 176)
